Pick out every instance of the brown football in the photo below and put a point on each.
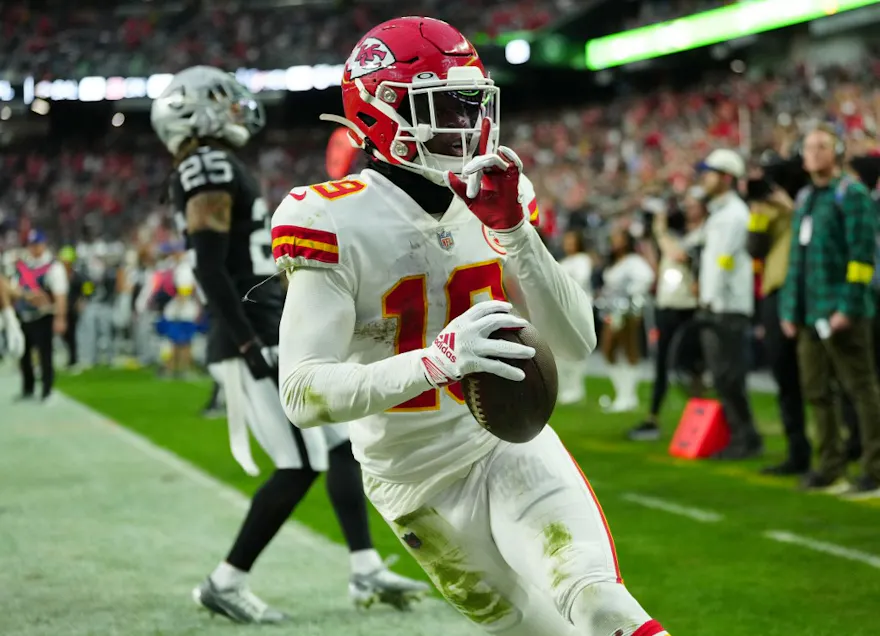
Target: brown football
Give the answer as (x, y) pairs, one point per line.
(515, 411)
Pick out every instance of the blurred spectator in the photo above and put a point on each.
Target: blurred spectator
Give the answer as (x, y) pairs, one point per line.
(627, 282)
(680, 240)
(726, 282)
(75, 283)
(577, 264)
(828, 303)
(41, 290)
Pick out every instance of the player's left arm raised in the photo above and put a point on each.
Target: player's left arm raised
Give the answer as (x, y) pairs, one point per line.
(503, 199)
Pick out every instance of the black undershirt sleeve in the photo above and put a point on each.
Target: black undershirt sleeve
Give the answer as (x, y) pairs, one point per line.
(217, 285)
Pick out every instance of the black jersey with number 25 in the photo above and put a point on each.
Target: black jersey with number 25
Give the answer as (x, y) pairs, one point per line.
(249, 260)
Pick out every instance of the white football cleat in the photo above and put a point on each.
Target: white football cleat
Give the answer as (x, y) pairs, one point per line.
(384, 586)
(238, 604)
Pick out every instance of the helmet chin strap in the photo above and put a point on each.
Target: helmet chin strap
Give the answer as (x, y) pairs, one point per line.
(342, 121)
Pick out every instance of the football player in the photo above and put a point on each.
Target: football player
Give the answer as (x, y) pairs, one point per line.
(203, 117)
(434, 238)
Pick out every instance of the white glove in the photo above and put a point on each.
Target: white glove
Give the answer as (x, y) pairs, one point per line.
(14, 335)
(464, 347)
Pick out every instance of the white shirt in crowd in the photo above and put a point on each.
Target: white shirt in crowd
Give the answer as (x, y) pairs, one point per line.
(676, 279)
(629, 277)
(727, 279)
(580, 267)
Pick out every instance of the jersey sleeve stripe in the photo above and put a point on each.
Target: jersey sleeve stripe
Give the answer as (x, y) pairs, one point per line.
(304, 233)
(296, 251)
(534, 212)
(304, 243)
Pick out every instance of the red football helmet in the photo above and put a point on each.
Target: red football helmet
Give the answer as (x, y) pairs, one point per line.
(415, 92)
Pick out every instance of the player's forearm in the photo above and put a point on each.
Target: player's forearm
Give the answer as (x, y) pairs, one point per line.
(317, 385)
(218, 287)
(323, 393)
(558, 307)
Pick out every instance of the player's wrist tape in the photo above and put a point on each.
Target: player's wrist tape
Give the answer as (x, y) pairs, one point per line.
(214, 279)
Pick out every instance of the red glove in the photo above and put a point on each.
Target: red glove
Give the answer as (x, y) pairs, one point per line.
(491, 186)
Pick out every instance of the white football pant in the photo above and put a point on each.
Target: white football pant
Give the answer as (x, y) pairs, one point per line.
(520, 542)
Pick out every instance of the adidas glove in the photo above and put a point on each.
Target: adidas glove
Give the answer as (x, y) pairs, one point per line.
(464, 346)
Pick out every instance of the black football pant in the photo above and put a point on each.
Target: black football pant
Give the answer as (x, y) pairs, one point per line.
(782, 359)
(37, 336)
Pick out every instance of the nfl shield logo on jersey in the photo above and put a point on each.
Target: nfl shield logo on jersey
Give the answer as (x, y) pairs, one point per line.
(445, 238)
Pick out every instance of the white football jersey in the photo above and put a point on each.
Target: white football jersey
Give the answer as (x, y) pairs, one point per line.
(408, 274)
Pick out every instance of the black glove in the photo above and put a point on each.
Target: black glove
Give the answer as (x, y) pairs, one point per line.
(257, 362)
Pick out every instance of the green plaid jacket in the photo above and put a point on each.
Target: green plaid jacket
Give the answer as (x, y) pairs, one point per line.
(839, 261)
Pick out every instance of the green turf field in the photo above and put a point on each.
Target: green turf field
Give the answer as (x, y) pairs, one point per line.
(692, 537)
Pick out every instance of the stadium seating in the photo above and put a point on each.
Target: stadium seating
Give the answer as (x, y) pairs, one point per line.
(138, 41)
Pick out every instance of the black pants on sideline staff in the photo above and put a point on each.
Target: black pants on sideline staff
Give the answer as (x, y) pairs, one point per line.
(669, 321)
(70, 339)
(782, 359)
(725, 351)
(37, 335)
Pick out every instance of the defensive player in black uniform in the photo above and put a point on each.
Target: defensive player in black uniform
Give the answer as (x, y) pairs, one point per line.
(202, 116)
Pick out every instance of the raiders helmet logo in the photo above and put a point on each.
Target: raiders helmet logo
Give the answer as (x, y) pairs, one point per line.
(372, 55)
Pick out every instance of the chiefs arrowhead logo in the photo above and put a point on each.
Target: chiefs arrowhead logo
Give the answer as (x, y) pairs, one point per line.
(492, 241)
(373, 54)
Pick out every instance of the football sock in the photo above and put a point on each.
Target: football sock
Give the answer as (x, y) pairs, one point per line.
(346, 490)
(631, 387)
(365, 561)
(615, 374)
(271, 506)
(227, 576)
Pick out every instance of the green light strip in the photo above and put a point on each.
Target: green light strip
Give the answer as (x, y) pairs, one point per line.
(709, 27)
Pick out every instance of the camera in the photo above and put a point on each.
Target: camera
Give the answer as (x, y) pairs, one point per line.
(788, 174)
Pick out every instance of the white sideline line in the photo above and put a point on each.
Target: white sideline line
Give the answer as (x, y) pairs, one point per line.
(697, 514)
(826, 548)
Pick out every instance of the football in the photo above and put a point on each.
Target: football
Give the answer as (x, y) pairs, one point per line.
(515, 411)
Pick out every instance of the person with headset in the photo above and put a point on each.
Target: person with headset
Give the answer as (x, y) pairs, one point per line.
(827, 303)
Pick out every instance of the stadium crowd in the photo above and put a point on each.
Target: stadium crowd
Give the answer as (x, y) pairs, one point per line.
(135, 40)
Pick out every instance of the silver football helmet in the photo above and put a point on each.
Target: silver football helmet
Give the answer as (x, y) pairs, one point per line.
(206, 103)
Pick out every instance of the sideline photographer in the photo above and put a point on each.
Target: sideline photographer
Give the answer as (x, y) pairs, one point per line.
(770, 194)
(680, 238)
